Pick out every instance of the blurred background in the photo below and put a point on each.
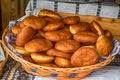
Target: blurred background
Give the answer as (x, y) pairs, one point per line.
(14, 9)
(11, 10)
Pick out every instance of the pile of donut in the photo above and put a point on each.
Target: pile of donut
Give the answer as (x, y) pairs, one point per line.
(51, 40)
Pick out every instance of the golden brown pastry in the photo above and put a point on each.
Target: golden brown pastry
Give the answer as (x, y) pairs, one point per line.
(16, 29)
(108, 33)
(96, 28)
(41, 57)
(21, 50)
(81, 26)
(62, 62)
(22, 25)
(54, 52)
(71, 19)
(53, 26)
(50, 13)
(104, 45)
(49, 19)
(36, 23)
(84, 56)
(57, 35)
(25, 35)
(42, 33)
(85, 37)
(67, 45)
(38, 35)
(66, 28)
(37, 45)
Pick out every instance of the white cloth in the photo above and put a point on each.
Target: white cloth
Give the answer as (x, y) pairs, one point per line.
(2, 54)
(106, 9)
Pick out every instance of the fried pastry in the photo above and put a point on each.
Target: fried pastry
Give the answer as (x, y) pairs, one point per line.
(71, 19)
(49, 19)
(62, 62)
(104, 45)
(67, 45)
(37, 45)
(57, 35)
(108, 33)
(36, 23)
(96, 28)
(54, 52)
(85, 37)
(42, 33)
(85, 56)
(81, 26)
(16, 29)
(41, 57)
(25, 35)
(38, 35)
(53, 26)
(50, 13)
(21, 50)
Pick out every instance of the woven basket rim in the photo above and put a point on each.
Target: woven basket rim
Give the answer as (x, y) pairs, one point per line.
(2, 45)
(2, 63)
(20, 60)
(73, 68)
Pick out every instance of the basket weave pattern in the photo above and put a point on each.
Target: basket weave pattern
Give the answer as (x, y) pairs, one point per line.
(2, 63)
(60, 73)
(78, 72)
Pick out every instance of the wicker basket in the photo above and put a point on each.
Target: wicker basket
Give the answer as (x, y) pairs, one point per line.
(63, 73)
(2, 63)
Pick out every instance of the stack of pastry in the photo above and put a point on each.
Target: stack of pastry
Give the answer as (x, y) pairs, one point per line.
(50, 40)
